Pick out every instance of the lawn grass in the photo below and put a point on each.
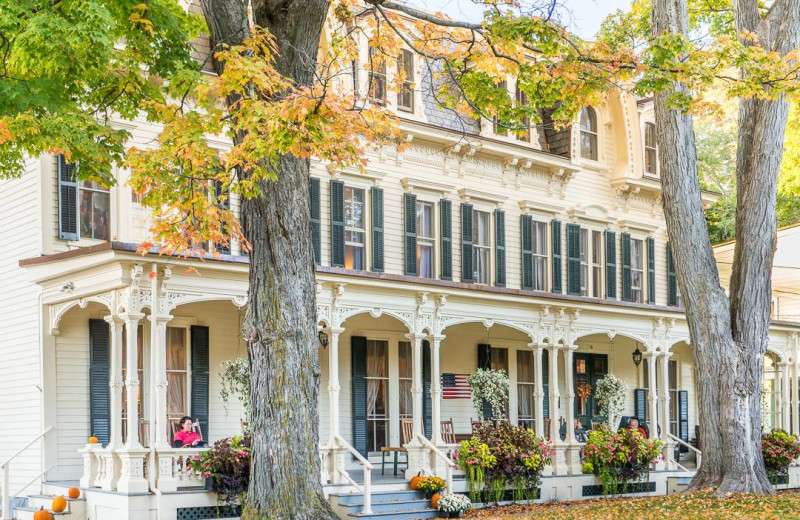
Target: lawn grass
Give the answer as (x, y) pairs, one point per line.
(686, 506)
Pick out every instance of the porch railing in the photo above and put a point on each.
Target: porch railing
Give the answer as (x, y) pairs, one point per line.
(449, 464)
(6, 469)
(366, 490)
(174, 470)
(698, 454)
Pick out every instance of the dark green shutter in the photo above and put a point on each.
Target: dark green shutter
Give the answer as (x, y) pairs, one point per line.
(67, 200)
(651, 271)
(376, 196)
(485, 362)
(683, 418)
(99, 392)
(427, 409)
(500, 247)
(555, 235)
(640, 405)
(410, 230)
(358, 355)
(611, 264)
(200, 379)
(672, 282)
(527, 251)
(546, 383)
(625, 251)
(316, 239)
(573, 259)
(466, 243)
(337, 224)
(446, 228)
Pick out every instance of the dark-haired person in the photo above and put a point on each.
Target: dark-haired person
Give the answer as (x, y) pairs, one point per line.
(186, 436)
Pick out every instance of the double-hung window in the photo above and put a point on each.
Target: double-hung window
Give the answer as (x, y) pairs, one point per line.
(650, 149)
(637, 271)
(525, 133)
(539, 245)
(597, 264)
(405, 96)
(95, 205)
(84, 206)
(177, 373)
(589, 134)
(525, 389)
(499, 127)
(377, 77)
(426, 239)
(584, 261)
(355, 228)
(481, 246)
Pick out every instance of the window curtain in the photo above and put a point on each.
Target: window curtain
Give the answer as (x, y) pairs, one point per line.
(376, 367)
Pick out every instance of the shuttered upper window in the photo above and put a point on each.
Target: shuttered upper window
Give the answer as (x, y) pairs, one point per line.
(539, 245)
(637, 271)
(481, 246)
(355, 228)
(84, 207)
(425, 239)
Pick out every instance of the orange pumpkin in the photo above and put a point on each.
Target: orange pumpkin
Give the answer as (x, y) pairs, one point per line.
(416, 481)
(94, 440)
(74, 493)
(59, 504)
(42, 514)
(435, 500)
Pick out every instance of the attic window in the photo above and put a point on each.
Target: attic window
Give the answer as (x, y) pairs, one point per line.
(589, 134)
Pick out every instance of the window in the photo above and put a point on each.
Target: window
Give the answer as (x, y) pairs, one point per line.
(425, 239)
(405, 97)
(222, 200)
(637, 271)
(584, 261)
(597, 264)
(678, 297)
(525, 133)
(589, 134)
(354, 228)
(95, 204)
(377, 77)
(405, 374)
(481, 246)
(650, 149)
(177, 373)
(539, 244)
(377, 394)
(525, 389)
(498, 359)
(497, 126)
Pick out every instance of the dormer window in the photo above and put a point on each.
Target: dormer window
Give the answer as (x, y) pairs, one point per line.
(377, 78)
(405, 97)
(497, 127)
(525, 133)
(589, 134)
(650, 149)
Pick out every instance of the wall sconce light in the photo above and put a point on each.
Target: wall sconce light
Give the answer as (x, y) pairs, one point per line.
(323, 339)
(637, 356)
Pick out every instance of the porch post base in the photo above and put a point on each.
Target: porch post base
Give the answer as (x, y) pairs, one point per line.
(110, 470)
(418, 460)
(166, 478)
(335, 463)
(131, 479)
(437, 465)
(89, 465)
(669, 455)
(573, 459)
(558, 461)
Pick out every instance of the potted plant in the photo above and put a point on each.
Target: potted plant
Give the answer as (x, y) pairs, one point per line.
(618, 458)
(430, 486)
(779, 450)
(474, 458)
(454, 505)
(227, 467)
(489, 386)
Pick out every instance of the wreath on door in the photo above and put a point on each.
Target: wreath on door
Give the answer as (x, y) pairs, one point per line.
(584, 392)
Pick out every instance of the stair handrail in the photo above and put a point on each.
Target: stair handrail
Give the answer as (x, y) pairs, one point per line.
(698, 453)
(449, 464)
(6, 469)
(367, 489)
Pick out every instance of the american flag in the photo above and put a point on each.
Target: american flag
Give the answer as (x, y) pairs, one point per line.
(454, 386)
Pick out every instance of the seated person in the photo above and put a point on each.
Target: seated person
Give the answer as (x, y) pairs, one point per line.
(633, 424)
(580, 433)
(186, 436)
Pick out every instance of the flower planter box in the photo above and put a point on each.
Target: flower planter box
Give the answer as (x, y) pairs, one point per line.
(633, 488)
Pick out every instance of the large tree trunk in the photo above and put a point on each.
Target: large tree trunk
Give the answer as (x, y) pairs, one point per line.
(281, 327)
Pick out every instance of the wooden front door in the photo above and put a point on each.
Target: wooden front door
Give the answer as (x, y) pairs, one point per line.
(588, 369)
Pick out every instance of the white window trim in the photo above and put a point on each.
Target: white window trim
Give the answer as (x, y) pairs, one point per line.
(490, 279)
(600, 121)
(548, 280)
(367, 210)
(643, 288)
(656, 174)
(434, 202)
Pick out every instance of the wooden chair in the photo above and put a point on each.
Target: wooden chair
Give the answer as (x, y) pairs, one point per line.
(476, 424)
(547, 421)
(174, 427)
(596, 425)
(406, 433)
(448, 433)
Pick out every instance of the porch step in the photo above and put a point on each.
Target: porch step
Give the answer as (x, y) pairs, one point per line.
(677, 484)
(76, 508)
(395, 505)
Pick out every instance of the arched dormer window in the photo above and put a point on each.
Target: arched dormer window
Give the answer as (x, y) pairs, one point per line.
(589, 133)
(650, 149)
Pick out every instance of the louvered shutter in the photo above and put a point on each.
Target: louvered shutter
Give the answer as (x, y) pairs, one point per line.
(467, 272)
(200, 376)
(316, 238)
(555, 234)
(446, 228)
(640, 405)
(67, 200)
(485, 362)
(672, 281)
(611, 264)
(651, 271)
(99, 391)
(337, 223)
(410, 232)
(683, 418)
(426, 389)
(358, 345)
(625, 251)
(376, 196)
(500, 247)
(573, 259)
(526, 226)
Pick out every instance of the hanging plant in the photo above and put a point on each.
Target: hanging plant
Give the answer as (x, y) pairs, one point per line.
(236, 382)
(610, 396)
(490, 386)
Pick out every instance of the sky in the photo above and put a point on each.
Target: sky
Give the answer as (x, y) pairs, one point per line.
(584, 18)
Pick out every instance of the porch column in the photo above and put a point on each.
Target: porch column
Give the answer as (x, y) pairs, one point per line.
(573, 448)
(115, 382)
(785, 403)
(669, 449)
(777, 390)
(538, 393)
(793, 400)
(159, 352)
(436, 390)
(418, 459)
(652, 394)
(559, 459)
(335, 453)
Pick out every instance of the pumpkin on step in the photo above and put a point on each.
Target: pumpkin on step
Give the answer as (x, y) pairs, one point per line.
(416, 481)
(94, 440)
(435, 500)
(74, 493)
(59, 504)
(42, 514)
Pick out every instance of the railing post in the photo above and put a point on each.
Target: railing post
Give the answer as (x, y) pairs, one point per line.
(6, 493)
(367, 491)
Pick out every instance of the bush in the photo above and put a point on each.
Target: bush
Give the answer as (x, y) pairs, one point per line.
(779, 450)
(619, 458)
(454, 503)
(227, 464)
